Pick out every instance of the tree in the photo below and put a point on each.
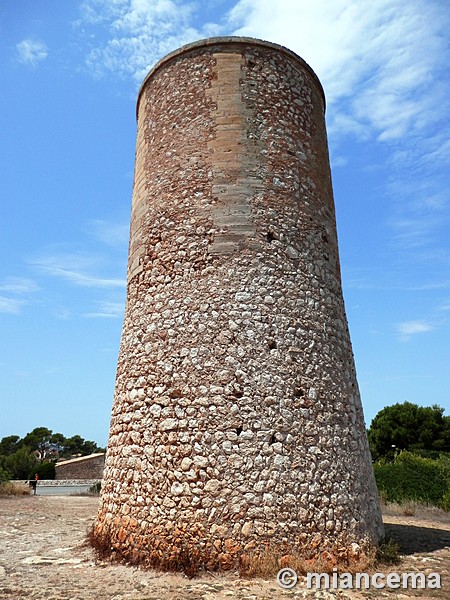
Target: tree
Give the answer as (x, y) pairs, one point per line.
(420, 429)
(48, 445)
(39, 441)
(4, 475)
(46, 470)
(9, 445)
(58, 440)
(22, 464)
(77, 445)
(38, 451)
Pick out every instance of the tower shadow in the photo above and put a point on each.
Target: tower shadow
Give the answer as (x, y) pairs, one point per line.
(414, 539)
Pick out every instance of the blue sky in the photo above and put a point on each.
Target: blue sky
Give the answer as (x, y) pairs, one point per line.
(70, 72)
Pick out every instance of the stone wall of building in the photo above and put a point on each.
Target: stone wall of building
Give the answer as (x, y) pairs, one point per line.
(84, 467)
(237, 423)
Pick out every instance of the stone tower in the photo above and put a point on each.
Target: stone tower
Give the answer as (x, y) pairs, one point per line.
(237, 424)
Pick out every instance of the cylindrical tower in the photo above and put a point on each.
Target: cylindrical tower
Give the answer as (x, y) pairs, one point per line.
(237, 425)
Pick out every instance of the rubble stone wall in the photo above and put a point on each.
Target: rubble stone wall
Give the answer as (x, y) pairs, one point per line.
(88, 468)
(237, 423)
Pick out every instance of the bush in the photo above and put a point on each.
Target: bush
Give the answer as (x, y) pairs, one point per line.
(46, 470)
(388, 552)
(412, 477)
(445, 502)
(95, 489)
(11, 488)
(22, 464)
(4, 475)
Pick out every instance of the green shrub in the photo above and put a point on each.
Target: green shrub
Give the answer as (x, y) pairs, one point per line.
(445, 502)
(22, 464)
(46, 470)
(4, 475)
(95, 489)
(388, 552)
(412, 477)
(444, 463)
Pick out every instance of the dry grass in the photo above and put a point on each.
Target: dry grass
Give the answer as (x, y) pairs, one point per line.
(10, 488)
(264, 564)
(183, 561)
(412, 508)
(267, 565)
(100, 545)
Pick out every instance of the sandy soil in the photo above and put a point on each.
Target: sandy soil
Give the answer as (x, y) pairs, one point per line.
(43, 555)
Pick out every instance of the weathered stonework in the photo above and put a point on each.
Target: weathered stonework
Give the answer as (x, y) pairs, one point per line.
(84, 467)
(237, 423)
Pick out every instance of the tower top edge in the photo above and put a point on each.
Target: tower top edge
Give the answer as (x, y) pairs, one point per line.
(223, 44)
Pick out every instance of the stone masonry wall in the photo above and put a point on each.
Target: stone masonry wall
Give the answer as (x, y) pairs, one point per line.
(84, 468)
(237, 423)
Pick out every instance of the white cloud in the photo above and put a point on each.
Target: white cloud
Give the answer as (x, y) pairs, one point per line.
(107, 310)
(18, 285)
(420, 219)
(413, 231)
(77, 269)
(113, 234)
(140, 32)
(338, 161)
(384, 58)
(383, 65)
(17, 289)
(10, 305)
(410, 328)
(31, 52)
(99, 11)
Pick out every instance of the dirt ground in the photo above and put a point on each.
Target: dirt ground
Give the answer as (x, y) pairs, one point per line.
(43, 555)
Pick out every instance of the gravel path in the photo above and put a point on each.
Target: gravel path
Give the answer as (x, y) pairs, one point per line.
(43, 555)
